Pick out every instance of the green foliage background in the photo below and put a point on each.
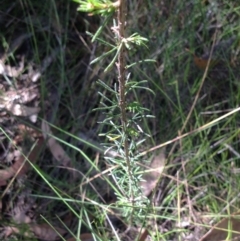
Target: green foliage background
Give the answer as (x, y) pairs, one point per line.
(207, 160)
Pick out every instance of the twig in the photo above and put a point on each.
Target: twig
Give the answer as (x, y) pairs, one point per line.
(122, 82)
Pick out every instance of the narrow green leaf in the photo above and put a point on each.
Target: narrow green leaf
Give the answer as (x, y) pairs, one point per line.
(101, 40)
(103, 55)
(100, 82)
(101, 27)
(114, 59)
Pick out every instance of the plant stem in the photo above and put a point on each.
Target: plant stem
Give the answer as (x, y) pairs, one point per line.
(122, 82)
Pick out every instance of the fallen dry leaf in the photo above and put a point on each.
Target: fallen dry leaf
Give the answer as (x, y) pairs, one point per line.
(22, 110)
(143, 235)
(20, 215)
(226, 228)
(56, 149)
(35, 75)
(21, 165)
(83, 237)
(11, 71)
(46, 232)
(41, 231)
(157, 166)
(14, 100)
(14, 230)
(54, 146)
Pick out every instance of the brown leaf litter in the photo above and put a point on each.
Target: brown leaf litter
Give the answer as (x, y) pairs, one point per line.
(21, 165)
(41, 231)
